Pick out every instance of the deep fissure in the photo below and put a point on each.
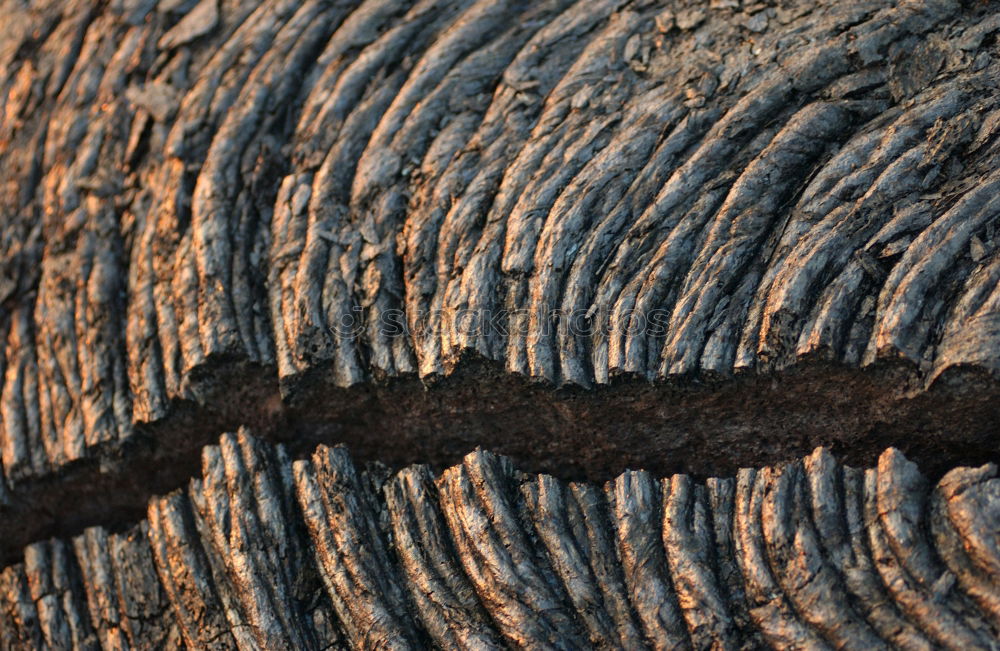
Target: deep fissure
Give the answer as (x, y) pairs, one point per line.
(699, 427)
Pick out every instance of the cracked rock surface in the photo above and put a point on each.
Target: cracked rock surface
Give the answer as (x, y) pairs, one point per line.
(696, 237)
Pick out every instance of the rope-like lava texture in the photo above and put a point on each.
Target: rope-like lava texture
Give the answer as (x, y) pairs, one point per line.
(575, 189)
(263, 552)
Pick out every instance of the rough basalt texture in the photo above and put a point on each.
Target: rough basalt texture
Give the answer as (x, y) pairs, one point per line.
(594, 234)
(264, 552)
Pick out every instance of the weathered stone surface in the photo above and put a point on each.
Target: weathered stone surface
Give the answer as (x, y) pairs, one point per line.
(296, 214)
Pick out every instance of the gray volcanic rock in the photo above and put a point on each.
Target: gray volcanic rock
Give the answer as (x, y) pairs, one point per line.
(593, 235)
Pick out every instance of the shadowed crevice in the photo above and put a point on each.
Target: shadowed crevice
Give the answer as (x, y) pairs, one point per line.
(700, 427)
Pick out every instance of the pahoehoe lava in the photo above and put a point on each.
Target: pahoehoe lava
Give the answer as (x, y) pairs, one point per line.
(687, 236)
